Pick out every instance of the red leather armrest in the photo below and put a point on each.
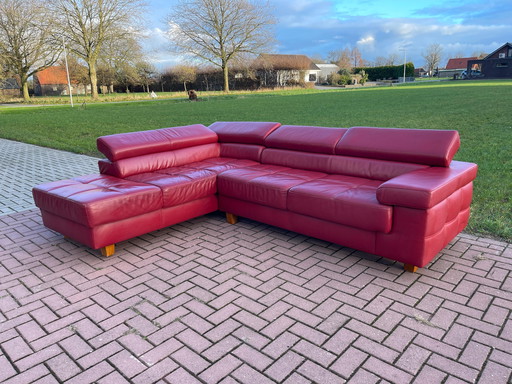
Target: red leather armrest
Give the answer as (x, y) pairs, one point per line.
(424, 188)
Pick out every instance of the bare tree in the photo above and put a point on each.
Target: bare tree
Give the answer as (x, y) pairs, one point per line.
(219, 30)
(393, 59)
(118, 60)
(26, 43)
(78, 73)
(146, 73)
(184, 74)
(88, 24)
(356, 57)
(342, 58)
(432, 57)
(479, 54)
(347, 58)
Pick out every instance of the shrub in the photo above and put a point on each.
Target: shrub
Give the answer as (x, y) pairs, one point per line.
(387, 72)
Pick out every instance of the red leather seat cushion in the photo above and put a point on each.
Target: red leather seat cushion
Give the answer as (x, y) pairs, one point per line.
(180, 184)
(263, 184)
(97, 199)
(342, 199)
(221, 164)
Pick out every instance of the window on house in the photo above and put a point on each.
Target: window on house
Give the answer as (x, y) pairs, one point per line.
(502, 64)
(312, 77)
(510, 52)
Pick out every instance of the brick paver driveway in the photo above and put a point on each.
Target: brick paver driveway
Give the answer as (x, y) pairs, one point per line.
(209, 302)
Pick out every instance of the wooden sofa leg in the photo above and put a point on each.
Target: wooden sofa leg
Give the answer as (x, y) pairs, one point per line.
(410, 268)
(108, 250)
(231, 219)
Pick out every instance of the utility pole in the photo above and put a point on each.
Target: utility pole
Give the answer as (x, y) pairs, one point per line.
(405, 59)
(67, 71)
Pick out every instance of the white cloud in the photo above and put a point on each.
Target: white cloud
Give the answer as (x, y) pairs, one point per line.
(315, 27)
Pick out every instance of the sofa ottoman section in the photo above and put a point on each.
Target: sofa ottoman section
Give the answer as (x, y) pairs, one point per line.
(78, 207)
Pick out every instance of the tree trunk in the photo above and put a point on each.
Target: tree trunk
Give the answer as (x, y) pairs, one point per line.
(185, 86)
(24, 90)
(226, 76)
(94, 80)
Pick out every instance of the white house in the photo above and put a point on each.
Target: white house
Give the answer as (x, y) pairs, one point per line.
(283, 70)
(325, 71)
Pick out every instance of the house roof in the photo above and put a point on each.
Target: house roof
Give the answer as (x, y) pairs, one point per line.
(499, 49)
(322, 66)
(52, 76)
(278, 61)
(459, 62)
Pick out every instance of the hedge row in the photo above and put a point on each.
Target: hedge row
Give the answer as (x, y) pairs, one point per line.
(387, 72)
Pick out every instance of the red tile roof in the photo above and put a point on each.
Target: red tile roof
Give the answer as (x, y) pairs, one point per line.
(459, 63)
(280, 61)
(52, 76)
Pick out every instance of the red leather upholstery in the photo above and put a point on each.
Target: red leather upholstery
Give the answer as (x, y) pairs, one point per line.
(341, 165)
(156, 161)
(132, 144)
(418, 235)
(242, 151)
(180, 184)
(421, 146)
(393, 192)
(342, 199)
(97, 199)
(427, 187)
(104, 234)
(243, 132)
(371, 168)
(266, 185)
(310, 226)
(305, 139)
(221, 164)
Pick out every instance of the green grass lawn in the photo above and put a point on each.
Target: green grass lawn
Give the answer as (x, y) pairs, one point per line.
(479, 110)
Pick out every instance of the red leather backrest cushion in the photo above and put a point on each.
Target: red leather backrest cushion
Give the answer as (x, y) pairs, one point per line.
(343, 165)
(241, 151)
(131, 144)
(243, 132)
(429, 147)
(155, 161)
(305, 138)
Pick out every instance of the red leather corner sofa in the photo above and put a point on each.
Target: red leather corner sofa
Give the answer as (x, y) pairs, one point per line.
(395, 193)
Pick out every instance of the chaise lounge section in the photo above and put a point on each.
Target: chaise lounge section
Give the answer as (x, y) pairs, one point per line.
(395, 193)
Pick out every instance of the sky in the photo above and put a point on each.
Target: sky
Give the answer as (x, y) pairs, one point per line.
(378, 28)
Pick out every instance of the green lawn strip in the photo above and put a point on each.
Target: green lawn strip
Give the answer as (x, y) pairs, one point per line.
(479, 110)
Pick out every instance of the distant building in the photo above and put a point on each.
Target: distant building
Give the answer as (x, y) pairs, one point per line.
(285, 70)
(325, 71)
(459, 63)
(420, 72)
(497, 65)
(9, 87)
(455, 66)
(53, 81)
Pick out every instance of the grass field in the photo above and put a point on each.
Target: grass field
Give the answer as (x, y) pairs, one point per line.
(479, 110)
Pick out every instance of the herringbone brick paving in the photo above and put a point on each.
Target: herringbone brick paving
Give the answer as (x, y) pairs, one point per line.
(23, 165)
(209, 302)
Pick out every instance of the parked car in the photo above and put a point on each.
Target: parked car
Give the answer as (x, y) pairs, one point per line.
(474, 73)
